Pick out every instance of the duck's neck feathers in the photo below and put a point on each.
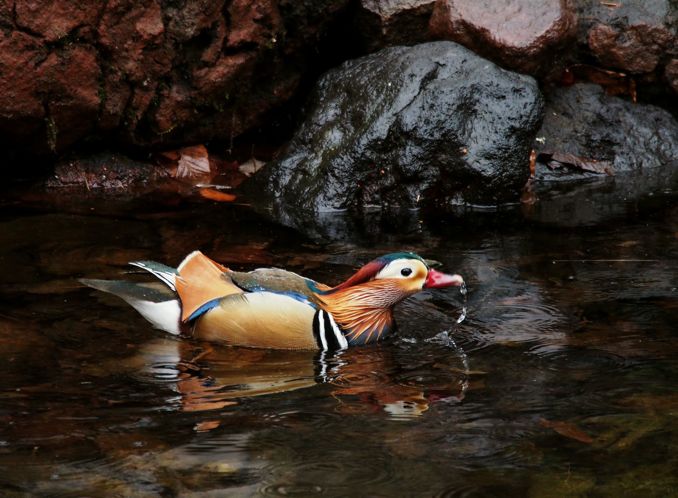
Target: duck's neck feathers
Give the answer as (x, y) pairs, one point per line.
(364, 312)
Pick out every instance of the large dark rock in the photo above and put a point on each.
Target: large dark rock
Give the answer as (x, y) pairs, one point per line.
(583, 121)
(150, 73)
(519, 34)
(429, 125)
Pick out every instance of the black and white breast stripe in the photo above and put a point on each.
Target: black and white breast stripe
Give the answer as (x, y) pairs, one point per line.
(327, 333)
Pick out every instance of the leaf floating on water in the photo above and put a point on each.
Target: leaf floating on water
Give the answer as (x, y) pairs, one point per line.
(556, 160)
(566, 429)
(215, 195)
(193, 162)
(206, 425)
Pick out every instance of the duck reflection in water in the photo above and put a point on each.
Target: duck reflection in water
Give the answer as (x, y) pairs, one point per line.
(363, 380)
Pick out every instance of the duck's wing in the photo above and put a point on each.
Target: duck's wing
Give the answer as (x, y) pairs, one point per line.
(200, 284)
(277, 281)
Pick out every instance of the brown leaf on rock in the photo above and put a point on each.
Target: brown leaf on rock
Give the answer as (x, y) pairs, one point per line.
(193, 162)
(557, 160)
(566, 429)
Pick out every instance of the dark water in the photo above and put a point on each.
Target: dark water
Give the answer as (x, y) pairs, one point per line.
(562, 380)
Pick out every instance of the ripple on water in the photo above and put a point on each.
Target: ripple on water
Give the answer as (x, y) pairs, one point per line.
(330, 475)
(560, 357)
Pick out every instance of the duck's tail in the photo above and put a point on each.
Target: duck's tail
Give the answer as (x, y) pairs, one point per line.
(156, 302)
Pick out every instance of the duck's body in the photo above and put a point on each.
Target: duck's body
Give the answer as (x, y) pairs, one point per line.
(273, 308)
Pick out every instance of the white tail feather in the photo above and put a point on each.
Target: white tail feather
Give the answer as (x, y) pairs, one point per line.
(165, 315)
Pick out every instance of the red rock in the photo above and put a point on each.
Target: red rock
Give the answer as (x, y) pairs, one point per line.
(22, 109)
(148, 72)
(133, 34)
(519, 34)
(56, 19)
(115, 95)
(394, 22)
(671, 73)
(192, 18)
(636, 49)
(638, 37)
(6, 12)
(72, 75)
(174, 107)
(216, 79)
(20, 56)
(254, 22)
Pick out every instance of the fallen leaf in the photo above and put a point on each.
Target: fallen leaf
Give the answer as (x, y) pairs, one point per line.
(193, 162)
(206, 426)
(556, 160)
(566, 429)
(215, 195)
(533, 162)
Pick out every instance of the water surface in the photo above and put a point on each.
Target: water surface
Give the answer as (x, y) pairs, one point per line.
(561, 381)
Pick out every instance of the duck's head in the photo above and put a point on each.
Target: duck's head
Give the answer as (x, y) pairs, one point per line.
(399, 275)
(363, 304)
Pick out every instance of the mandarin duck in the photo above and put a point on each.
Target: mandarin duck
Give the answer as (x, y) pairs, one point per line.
(274, 308)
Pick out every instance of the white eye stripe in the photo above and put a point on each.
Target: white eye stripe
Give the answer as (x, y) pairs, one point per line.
(402, 269)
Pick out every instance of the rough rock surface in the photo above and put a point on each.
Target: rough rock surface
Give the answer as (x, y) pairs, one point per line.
(428, 125)
(671, 74)
(149, 72)
(582, 120)
(105, 171)
(634, 35)
(519, 34)
(393, 22)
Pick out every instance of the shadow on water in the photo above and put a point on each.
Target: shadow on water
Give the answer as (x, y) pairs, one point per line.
(561, 381)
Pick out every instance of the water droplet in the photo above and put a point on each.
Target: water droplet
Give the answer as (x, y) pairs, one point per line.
(463, 291)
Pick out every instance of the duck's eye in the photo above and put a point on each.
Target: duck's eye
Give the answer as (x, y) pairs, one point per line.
(406, 272)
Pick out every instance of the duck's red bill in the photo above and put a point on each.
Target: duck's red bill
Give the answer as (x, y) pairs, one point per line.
(437, 279)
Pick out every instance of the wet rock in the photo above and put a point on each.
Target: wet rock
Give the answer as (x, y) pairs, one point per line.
(603, 200)
(393, 22)
(633, 35)
(149, 72)
(54, 19)
(105, 171)
(431, 125)
(583, 121)
(671, 74)
(519, 34)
